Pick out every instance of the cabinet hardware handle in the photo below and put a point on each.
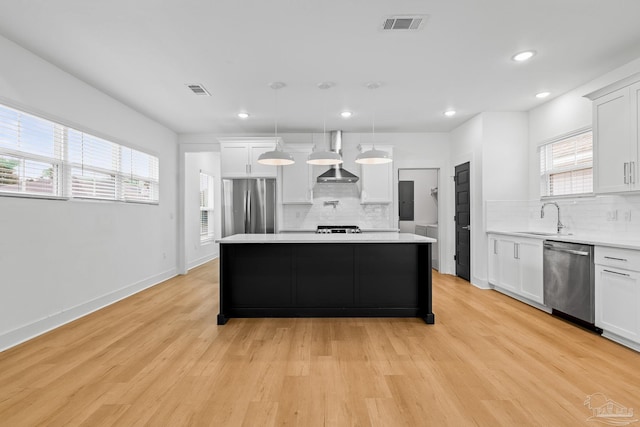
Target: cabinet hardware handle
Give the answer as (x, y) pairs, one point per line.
(615, 272)
(632, 172)
(495, 247)
(516, 250)
(626, 172)
(617, 259)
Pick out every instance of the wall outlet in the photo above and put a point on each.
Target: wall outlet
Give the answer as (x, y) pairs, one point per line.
(612, 215)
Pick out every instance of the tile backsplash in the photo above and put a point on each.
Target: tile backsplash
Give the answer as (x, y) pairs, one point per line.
(347, 210)
(610, 215)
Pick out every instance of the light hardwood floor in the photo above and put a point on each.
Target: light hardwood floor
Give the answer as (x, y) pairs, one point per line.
(158, 358)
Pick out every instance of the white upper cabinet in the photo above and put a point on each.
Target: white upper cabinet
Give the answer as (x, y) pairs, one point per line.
(297, 179)
(376, 180)
(616, 120)
(239, 157)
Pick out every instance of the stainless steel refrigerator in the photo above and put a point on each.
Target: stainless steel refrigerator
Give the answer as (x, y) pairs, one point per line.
(248, 206)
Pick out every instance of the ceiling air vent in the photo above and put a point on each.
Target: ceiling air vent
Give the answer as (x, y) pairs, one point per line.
(404, 22)
(198, 89)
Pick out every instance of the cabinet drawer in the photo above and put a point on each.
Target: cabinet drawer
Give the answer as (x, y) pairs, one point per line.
(621, 258)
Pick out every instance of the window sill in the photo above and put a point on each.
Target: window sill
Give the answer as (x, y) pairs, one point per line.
(569, 196)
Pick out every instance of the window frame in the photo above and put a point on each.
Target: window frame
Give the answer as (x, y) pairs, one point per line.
(544, 178)
(209, 237)
(63, 180)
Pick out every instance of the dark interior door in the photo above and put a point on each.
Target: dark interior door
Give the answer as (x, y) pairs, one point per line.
(405, 198)
(463, 221)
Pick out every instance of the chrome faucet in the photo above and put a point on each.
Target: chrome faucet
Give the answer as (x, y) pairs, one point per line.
(560, 225)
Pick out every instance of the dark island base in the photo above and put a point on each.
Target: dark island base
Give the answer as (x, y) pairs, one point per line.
(325, 280)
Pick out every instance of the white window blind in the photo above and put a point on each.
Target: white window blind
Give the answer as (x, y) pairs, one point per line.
(566, 166)
(206, 207)
(41, 157)
(30, 154)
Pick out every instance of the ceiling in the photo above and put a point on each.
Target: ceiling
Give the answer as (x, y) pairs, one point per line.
(144, 52)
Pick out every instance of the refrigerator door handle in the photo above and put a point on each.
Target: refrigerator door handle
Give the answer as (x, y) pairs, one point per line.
(247, 212)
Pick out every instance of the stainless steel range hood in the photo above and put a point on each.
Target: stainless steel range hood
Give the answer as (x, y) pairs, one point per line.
(337, 174)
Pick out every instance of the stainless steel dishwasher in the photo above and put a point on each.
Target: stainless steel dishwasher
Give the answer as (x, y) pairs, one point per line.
(569, 274)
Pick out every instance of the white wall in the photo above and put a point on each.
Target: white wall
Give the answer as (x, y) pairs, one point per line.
(62, 259)
(496, 146)
(564, 114)
(208, 162)
(466, 146)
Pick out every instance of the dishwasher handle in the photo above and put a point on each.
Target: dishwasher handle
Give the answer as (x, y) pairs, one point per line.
(568, 251)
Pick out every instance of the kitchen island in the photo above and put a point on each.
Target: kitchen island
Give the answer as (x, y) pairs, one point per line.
(332, 275)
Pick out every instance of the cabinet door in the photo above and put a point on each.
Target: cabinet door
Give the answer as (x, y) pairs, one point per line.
(530, 259)
(377, 182)
(234, 160)
(297, 180)
(255, 168)
(508, 267)
(634, 150)
(493, 268)
(618, 301)
(611, 132)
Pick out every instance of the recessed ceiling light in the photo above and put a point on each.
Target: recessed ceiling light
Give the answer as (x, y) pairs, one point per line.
(450, 113)
(243, 115)
(542, 94)
(346, 114)
(523, 56)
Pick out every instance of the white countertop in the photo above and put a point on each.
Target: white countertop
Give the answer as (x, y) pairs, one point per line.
(630, 242)
(327, 238)
(313, 230)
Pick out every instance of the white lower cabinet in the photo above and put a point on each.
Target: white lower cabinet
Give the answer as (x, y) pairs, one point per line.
(617, 286)
(515, 265)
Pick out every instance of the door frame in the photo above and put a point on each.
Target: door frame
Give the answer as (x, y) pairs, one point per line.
(441, 209)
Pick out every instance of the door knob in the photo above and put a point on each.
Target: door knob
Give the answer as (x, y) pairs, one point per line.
(466, 227)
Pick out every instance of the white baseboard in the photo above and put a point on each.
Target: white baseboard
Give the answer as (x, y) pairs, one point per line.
(480, 284)
(621, 340)
(198, 262)
(522, 299)
(24, 333)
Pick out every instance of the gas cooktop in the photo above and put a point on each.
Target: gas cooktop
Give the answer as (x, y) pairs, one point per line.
(346, 229)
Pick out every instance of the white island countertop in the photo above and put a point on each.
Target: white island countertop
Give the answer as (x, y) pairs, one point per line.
(327, 238)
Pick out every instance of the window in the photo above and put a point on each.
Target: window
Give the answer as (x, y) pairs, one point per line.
(566, 166)
(40, 157)
(206, 208)
(30, 154)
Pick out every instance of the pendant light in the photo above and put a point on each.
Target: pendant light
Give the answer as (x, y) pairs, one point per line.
(276, 157)
(373, 156)
(324, 157)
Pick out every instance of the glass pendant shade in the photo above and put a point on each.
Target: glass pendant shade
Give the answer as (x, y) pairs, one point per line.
(324, 158)
(373, 157)
(276, 158)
